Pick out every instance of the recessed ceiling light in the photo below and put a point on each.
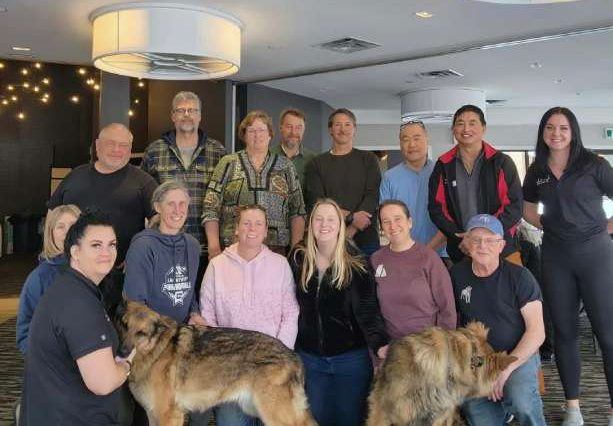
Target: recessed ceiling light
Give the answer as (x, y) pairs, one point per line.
(536, 65)
(21, 49)
(424, 14)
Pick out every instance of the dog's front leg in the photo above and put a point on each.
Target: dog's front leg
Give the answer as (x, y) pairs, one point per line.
(171, 416)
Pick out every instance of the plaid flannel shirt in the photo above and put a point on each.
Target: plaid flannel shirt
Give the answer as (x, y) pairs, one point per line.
(163, 161)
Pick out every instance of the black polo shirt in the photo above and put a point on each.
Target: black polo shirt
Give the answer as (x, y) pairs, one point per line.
(69, 323)
(496, 300)
(125, 195)
(572, 205)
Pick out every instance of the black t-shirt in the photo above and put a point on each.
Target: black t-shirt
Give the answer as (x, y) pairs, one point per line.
(125, 195)
(496, 300)
(572, 205)
(69, 323)
(352, 180)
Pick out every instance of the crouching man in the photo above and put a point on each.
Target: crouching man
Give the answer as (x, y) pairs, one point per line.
(507, 299)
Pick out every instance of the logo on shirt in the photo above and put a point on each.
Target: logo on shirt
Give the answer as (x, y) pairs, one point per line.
(380, 272)
(176, 284)
(542, 181)
(465, 294)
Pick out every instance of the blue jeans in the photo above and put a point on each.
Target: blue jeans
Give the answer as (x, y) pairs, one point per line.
(337, 386)
(230, 414)
(521, 398)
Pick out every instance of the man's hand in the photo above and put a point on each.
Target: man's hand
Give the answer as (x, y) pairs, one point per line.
(361, 220)
(196, 319)
(498, 391)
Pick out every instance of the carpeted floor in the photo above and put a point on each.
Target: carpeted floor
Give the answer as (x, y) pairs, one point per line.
(595, 399)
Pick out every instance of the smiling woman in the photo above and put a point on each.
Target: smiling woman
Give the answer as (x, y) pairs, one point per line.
(71, 374)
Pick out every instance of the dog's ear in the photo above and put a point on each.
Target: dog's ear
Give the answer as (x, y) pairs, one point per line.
(478, 329)
(498, 361)
(147, 339)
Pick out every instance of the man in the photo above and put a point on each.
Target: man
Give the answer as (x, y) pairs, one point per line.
(112, 185)
(292, 125)
(473, 178)
(506, 298)
(349, 176)
(188, 154)
(408, 182)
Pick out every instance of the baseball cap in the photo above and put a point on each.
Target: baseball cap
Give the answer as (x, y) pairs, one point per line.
(486, 221)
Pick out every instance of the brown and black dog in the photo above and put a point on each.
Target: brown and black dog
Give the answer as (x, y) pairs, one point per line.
(427, 375)
(182, 368)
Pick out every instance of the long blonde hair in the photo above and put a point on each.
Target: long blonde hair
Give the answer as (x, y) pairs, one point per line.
(342, 263)
(50, 249)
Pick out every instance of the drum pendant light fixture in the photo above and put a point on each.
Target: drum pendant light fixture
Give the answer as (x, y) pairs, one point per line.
(166, 41)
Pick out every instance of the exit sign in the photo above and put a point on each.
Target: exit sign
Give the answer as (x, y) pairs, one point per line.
(608, 132)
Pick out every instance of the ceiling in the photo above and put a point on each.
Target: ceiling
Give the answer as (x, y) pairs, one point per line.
(279, 38)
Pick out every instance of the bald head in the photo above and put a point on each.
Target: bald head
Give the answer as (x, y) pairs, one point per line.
(113, 148)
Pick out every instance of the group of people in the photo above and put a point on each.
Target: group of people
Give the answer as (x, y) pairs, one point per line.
(286, 242)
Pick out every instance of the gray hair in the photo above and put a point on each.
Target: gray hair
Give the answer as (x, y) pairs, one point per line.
(186, 96)
(170, 185)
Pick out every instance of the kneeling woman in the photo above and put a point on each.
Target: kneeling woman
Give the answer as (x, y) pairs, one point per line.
(413, 285)
(71, 373)
(162, 262)
(250, 287)
(339, 319)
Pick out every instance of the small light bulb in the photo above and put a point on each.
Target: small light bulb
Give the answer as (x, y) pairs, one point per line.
(136, 101)
(10, 88)
(82, 71)
(46, 81)
(5, 102)
(36, 89)
(38, 65)
(90, 81)
(130, 113)
(1, 65)
(96, 87)
(26, 85)
(24, 71)
(14, 98)
(74, 99)
(141, 84)
(44, 100)
(21, 116)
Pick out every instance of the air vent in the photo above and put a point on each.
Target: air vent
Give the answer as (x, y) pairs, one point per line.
(347, 45)
(439, 74)
(495, 101)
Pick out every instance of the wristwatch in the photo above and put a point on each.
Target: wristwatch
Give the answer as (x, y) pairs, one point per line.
(349, 219)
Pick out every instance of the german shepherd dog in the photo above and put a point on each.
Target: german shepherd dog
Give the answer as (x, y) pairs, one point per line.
(182, 368)
(427, 375)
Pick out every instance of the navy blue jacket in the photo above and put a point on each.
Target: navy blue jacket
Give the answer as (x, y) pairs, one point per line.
(36, 284)
(161, 273)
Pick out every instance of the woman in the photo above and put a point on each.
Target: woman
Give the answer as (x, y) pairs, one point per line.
(339, 319)
(162, 262)
(249, 287)
(254, 176)
(72, 375)
(52, 259)
(413, 286)
(577, 252)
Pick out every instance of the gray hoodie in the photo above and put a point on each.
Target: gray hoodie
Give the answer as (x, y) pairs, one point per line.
(161, 273)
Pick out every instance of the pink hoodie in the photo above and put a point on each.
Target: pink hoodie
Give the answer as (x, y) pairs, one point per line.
(256, 295)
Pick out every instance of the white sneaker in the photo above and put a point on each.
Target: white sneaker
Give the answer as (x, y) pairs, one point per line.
(573, 417)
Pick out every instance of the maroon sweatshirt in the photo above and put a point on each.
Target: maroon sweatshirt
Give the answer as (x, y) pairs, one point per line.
(414, 290)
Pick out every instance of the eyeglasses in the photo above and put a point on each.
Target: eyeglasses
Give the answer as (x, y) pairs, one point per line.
(411, 122)
(256, 131)
(487, 241)
(188, 111)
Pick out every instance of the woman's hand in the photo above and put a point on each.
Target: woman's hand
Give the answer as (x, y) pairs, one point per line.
(196, 319)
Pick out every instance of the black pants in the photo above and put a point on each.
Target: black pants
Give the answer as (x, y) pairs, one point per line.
(573, 272)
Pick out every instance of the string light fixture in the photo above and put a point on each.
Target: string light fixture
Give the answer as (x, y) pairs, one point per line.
(14, 93)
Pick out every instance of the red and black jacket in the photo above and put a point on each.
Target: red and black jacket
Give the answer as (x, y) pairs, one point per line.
(500, 195)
